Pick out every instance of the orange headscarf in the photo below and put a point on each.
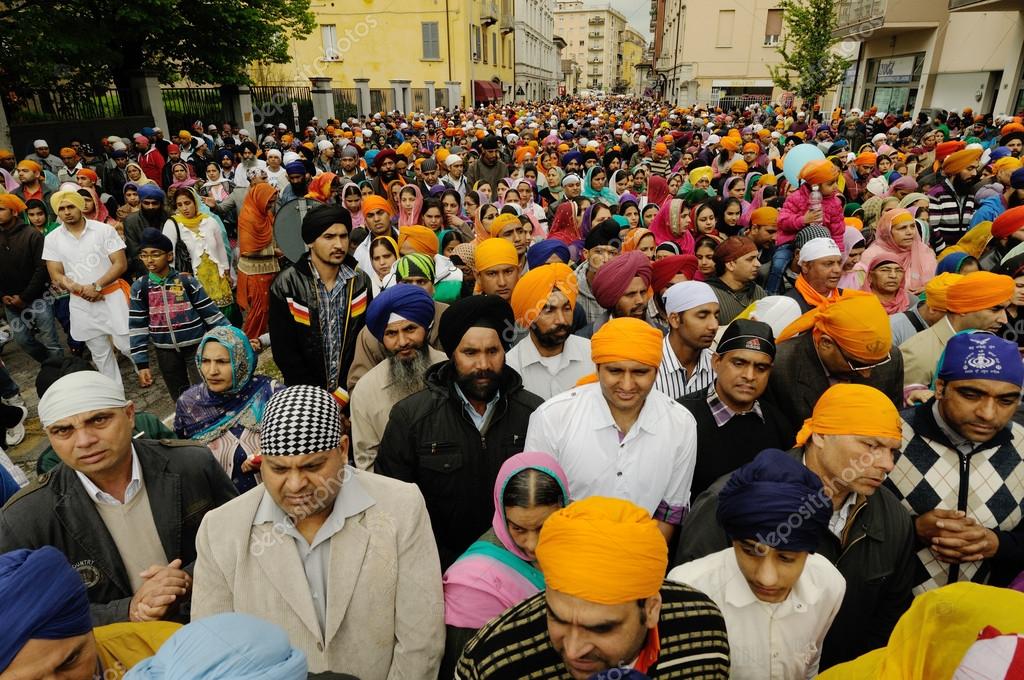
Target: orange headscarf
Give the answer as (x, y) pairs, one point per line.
(979, 290)
(936, 290)
(958, 160)
(422, 239)
(255, 220)
(320, 187)
(819, 172)
(532, 291)
(633, 238)
(848, 408)
(857, 322)
(573, 551)
(627, 339)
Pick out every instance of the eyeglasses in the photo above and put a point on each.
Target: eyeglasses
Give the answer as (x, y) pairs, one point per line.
(856, 365)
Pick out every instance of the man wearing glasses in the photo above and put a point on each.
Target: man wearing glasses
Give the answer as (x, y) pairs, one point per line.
(849, 341)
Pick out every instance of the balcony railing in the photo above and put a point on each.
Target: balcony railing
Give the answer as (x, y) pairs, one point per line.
(595, 20)
(853, 12)
(489, 13)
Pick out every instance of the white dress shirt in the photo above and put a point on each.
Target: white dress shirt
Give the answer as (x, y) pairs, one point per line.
(548, 376)
(769, 641)
(96, 494)
(672, 379)
(652, 465)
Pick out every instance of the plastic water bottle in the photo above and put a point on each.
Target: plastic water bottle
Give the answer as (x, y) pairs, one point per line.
(814, 205)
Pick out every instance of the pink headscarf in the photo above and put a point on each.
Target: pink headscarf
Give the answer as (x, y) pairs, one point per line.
(673, 212)
(404, 218)
(918, 261)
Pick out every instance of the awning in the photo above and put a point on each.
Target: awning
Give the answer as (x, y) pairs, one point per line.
(485, 90)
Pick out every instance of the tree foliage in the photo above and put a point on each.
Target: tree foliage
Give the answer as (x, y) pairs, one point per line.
(809, 68)
(81, 44)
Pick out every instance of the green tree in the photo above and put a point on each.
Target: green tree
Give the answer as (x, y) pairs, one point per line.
(809, 68)
(78, 45)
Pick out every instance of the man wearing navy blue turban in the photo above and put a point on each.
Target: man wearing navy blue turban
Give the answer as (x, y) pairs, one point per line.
(540, 253)
(773, 509)
(400, 318)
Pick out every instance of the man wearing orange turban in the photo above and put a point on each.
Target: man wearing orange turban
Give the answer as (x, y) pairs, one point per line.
(603, 561)
(497, 268)
(952, 201)
(622, 423)
(849, 441)
(550, 359)
(417, 239)
(927, 313)
(975, 301)
(848, 340)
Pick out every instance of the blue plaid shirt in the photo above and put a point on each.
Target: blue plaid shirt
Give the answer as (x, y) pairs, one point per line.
(333, 305)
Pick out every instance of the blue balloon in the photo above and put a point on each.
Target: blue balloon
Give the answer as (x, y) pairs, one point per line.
(797, 158)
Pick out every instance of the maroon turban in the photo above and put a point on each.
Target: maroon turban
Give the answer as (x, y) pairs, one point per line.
(612, 280)
(667, 268)
(733, 248)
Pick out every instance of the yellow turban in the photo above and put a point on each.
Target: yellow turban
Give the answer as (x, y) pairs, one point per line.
(627, 339)
(847, 408)
(958, 160)
(422, 240)
(936, 290)
(857, 322)
(764, 215)
(532, 291)
(603, 550)
(72, 197)
(1006, 163)
(739, 165)
(979, 290)
(769, 180)
(442, 155)
(730, 143)
(502, 221)
(702, 172)
(404, 149)
(495, 252)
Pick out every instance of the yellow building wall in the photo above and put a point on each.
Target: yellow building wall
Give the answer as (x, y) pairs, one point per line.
(383, 40)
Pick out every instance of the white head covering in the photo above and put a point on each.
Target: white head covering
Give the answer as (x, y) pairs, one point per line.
(817, 248)
(571, 178)
(687, 295)
(77, 393)
(778, 311)
(38, 143)
(878, 186)
(324, 144)
(452, 159)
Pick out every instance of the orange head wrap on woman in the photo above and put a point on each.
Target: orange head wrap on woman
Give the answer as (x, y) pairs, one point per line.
(532, 291)
(374, 202)
(627, 339)
(421, 239)
(847, 408)
(633, 238)
(255, 220)
(321, 188)
(13, 203)
(819, 172)
(937, 290)
(573, 551)
(857, 322)
(495, 252)
(979, 290)
(959, 160)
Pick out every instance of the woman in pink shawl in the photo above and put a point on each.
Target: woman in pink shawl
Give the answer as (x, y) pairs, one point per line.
(499, 571)
(410, 205)
(672, 223)
(897, 240)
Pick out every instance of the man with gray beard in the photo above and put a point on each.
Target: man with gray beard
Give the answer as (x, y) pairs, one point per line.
(400, 318)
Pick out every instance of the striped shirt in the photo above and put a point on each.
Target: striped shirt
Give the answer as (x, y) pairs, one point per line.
(949, 214)
(334, 311)
(692, 633)
(672, 379)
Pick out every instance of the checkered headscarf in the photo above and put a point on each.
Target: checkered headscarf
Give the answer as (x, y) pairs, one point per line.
(299, 420)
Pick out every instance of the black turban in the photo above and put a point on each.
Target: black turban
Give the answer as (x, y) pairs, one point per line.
(319, 219)
(604, 234)
(476, 311)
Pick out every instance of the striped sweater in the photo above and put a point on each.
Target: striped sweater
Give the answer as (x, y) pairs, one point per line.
(949, 214)
(516, 644)
(172, 314)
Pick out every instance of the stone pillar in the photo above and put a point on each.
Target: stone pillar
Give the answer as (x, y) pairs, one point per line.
(431, 95)
(454, 93)
(237, 103)
(323, 98)
(402, 95)
(152, 99)
(363, 96)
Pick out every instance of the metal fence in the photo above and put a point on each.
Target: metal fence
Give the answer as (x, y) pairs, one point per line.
(276, 104)
(441, 97)
(420, 99)
(738, 102)
(346, 102)
(382, 100)
(62, 104)
(185, 105)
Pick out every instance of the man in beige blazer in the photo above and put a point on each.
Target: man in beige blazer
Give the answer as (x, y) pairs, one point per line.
(344, 560)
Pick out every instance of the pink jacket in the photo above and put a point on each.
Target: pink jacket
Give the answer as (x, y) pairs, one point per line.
(791, 217)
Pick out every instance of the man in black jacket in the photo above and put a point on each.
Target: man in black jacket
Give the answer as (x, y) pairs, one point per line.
(850, 444)
(451, 438)
(124, 511)
(318, 305)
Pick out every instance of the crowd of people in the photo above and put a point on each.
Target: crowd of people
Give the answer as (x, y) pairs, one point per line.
(573, 389)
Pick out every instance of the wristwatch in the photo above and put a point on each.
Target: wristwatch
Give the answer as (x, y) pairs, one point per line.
(97, 287)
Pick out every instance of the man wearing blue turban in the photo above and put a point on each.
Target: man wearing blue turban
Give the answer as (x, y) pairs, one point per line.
(400, 319)
(773, 509)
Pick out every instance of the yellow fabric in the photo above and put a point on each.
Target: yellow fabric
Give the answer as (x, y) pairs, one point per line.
(697, 174)
(532, 291)
(217, 285)
(72, 197)
(603, 550)
(122, 645)
(501, 221)
(977, 291)
(739, 166)
(856, 321)
(730, 143)
(936, 290)
(973, 242)
(626, 339)
(495, 252)
(1006, 163)
(422, 239)
(819, 172)
(957, 161)
(931, 638)
(764, 215)
(848, 408)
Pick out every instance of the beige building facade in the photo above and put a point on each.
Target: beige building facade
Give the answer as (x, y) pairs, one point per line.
(592, 40)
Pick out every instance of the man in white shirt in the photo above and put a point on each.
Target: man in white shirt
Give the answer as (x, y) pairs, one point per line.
(87, 258)
(692, 309)
(550, 359)
(455, 177)
(778, 598)
(619, 437)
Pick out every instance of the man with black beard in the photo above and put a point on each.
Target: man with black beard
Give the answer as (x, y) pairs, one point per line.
(952, 201)
(550, 359)
(451, 438)
(400, 318)
(387, 171)
(153, 214)
(298, 182)
(490, 168)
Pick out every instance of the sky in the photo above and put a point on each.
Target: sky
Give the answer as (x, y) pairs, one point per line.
(637, 13)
